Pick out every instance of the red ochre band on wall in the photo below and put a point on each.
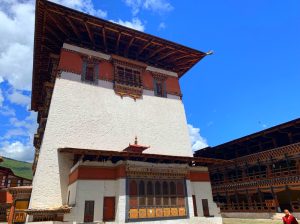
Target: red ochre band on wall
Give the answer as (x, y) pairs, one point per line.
(114, 173)
(71, 61)
(199, 176)
(97, 173)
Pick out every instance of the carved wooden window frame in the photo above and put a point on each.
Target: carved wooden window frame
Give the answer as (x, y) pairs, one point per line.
(159, 80)
(89, 62)
(156, 198)
(132, 87)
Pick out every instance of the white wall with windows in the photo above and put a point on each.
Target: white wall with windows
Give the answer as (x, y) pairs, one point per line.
(96, 190)
(202, 190)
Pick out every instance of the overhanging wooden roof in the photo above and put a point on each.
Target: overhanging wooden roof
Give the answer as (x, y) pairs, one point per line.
(56, 24)
(273, 137)
(146, 157)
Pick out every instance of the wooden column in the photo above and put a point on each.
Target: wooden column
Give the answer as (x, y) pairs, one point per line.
(236, 197)
(228, 199)
(247, 168)
(249, 199)
(260, 197)
(276, 200)
(287, 162)
(219, 174)
(259, 168)
(218, 198)
(6, 180)
(10, 219)
(289, 196)
(269, 171)
(298, 166)
(236, 171)
(225, 175)
(272, 168)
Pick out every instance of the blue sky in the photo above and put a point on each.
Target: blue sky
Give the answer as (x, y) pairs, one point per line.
(250, 83)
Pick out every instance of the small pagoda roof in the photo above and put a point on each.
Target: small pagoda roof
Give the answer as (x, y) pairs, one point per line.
(145, 157)
(56, 25)
(136, 147)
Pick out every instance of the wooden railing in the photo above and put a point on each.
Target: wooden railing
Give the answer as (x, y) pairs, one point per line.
(282, 172)
(19, 216)
(247, 207)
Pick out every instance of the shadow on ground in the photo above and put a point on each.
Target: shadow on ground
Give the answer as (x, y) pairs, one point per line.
(250, 221)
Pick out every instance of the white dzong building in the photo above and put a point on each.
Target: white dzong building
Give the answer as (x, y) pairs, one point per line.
(112, 143)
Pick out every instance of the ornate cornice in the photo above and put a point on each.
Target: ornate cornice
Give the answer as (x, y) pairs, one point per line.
(159, 76)
(156, 172)
(118, 60)
(125, 90)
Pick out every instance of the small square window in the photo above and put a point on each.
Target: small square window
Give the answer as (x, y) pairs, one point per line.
(90, 70)
(159, 88)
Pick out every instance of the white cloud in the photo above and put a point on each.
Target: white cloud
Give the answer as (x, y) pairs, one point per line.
(17, 150)
(7, 111)
(16, 20)
(25, 129)
(157, 6)
(135, 23)
(29, 123)
(86, 6)
(17, 33)
(18, 98)
(18, 132)
(197, 141)
(162, 26)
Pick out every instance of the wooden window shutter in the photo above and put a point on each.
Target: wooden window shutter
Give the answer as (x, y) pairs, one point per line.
(84, 64)
(89, 211)
(96, 73)
(164, 89)
(154, 87)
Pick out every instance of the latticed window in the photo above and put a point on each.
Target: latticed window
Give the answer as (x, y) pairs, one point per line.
(159, 85)
(142, 198)
(89, 76)
(128, 76)
(3, 180)
(8, 183)
(90, 70)
(127, 79)
(89, 211)
(156, 198)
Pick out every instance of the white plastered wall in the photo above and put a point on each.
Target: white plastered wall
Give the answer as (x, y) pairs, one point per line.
(96, 118)
(202, 190)
(89, 116)
(96, 190)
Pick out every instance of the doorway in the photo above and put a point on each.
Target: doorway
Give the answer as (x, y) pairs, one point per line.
(109, 208)
(205, 207)
(89, 211)
(195, 205)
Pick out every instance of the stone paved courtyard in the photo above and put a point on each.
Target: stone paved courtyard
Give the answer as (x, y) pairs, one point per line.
(251, 221)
